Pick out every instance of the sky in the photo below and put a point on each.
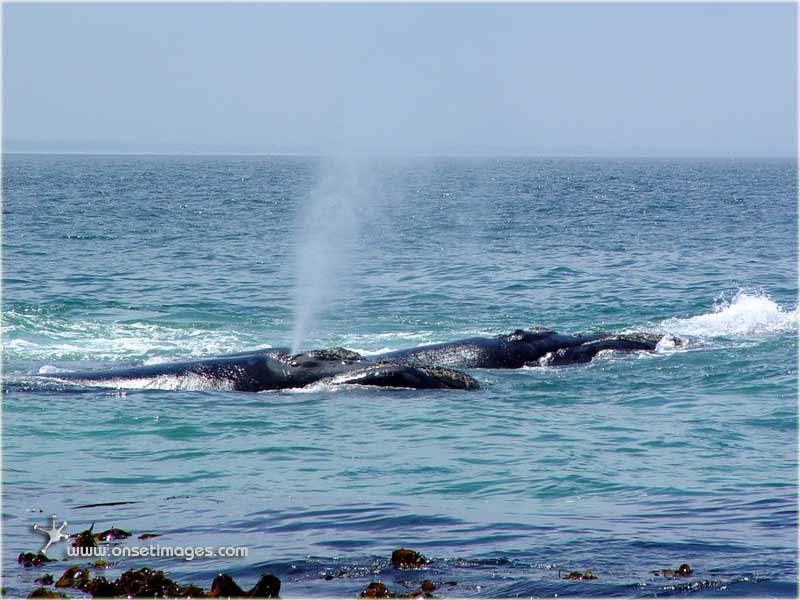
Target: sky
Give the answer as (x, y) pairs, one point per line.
(553, 79)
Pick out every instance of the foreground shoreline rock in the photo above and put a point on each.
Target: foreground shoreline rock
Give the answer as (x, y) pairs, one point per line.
(149, 583)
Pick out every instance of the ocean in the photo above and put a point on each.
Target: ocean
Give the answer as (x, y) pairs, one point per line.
(625, 466)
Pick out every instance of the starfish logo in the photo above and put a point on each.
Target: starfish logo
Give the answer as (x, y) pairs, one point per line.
(54, 533)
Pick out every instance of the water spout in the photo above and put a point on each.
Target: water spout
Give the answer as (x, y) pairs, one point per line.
(328, 227)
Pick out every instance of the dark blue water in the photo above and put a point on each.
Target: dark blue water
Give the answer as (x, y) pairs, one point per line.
(623, 466)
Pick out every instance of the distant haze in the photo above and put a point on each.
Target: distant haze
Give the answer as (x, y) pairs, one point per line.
(616, 79)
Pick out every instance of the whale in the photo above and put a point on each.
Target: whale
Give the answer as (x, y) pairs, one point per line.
(432, 366)
(274, 369)
(521, 348)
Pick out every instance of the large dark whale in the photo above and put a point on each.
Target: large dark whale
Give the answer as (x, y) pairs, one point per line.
(535, 347)
(425, 367)
(274, 369)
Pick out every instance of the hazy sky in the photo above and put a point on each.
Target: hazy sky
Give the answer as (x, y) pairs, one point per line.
(716, 79)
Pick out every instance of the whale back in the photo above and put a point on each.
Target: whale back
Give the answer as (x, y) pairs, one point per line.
(507, 351)
(471, 353)
(406, 376)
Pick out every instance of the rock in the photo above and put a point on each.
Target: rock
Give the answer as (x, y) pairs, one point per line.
(422, 593)
(587, 574)
(407, 559)
(147, 536)
(46, 580)
(339, 575)
(154, 584)
(224, 586)
(101, 564)
(29, 559)
(268, 586)
(427, 586)
(111, 534)
(191, 591)
(145, 582)
(85, 539)
(41, 592)
(73, 577)
(424, 590)
(683, 571)
(99, 587)
(376, 590)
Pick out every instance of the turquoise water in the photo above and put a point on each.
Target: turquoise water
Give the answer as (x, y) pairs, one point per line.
(623, 466)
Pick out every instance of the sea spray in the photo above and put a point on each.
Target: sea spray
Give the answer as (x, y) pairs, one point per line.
(328, 227)
(747, 314)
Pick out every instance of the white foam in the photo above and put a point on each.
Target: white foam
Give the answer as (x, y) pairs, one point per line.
(364, 352)
(748, 314)
(49, 369)
(189, 382)
(36, 337)
(323, 385)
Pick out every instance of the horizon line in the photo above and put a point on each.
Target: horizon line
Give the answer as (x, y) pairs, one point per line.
(17, 145)
(278, 154)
